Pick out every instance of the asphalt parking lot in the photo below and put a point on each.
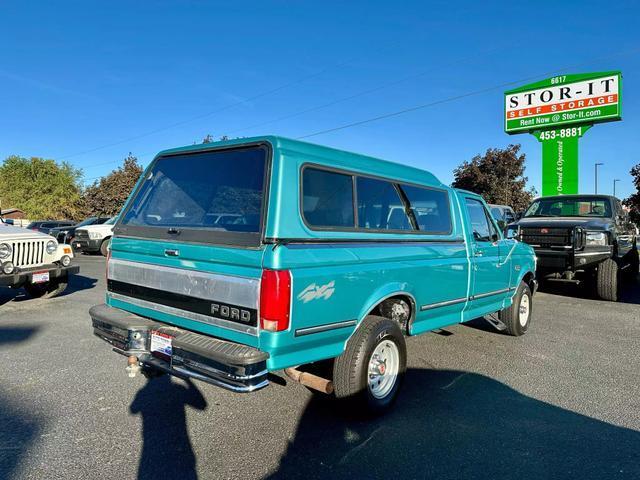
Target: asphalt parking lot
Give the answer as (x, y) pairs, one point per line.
(563, 401)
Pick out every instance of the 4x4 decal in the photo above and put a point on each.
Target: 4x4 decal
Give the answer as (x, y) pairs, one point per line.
(314, 292)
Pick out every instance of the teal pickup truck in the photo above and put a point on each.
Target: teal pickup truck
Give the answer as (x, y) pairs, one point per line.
(235, 259)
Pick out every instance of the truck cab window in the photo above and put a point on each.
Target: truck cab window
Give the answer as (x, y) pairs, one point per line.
(483, 229)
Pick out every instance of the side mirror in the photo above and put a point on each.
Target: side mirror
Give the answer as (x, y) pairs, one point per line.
(519, 215)
(512, 233)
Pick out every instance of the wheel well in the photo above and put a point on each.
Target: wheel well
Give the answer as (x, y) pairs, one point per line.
(398, 308)
(528, 279)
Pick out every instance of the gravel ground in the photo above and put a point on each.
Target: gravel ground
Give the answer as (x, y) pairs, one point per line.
(562, 401)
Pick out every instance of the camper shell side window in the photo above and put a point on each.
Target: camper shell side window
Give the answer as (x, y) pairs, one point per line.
(338, 200)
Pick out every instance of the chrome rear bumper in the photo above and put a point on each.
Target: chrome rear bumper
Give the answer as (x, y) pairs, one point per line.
(229, 365)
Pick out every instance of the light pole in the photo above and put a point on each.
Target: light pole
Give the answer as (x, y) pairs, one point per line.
(616, 180)
(597, 164)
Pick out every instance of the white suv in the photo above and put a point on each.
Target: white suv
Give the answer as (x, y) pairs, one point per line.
(34, 261)
(94, 238)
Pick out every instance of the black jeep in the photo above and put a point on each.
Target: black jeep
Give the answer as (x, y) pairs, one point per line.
(580, 237)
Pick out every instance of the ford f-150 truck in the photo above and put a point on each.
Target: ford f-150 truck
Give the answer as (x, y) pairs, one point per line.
(328, 262)
(581, 238)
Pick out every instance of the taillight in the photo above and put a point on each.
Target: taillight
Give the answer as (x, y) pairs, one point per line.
(106, 273)
(275, 300)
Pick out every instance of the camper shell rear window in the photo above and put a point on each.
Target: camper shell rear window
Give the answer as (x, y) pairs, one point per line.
(215, 196)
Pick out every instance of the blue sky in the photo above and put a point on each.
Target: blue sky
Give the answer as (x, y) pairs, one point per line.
(75, 76)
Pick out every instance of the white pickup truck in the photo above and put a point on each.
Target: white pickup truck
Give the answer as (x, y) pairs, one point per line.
(34, 261)
(94, 238)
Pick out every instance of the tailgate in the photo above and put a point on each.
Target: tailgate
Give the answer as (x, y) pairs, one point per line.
(203, 288)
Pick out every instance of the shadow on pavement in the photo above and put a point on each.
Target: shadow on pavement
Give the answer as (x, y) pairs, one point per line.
(630, 292)
(166, 449)
(18, 427)
(16, 334)
(76, 284)
(452, 424)
(7, 294)
(481, 324)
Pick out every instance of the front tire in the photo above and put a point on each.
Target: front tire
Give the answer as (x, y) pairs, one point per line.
(104, 247)
(517, 317)
(608, 280)
(370, 371)
(51, 289)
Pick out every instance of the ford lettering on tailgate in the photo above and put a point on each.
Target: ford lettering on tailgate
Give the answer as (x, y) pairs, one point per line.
(231, 312)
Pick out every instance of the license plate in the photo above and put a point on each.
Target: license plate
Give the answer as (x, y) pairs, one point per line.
(78, 245)
(40, 277)
(161, 345)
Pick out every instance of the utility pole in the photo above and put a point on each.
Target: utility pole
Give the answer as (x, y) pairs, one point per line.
(596, 165)
(614, 185)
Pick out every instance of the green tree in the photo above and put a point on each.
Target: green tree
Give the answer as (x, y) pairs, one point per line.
(42, 188)
(107, 196)
(633, 201)
(498, 176)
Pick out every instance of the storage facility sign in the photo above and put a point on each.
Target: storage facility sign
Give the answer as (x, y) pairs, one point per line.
(563, 100)
(558, 111)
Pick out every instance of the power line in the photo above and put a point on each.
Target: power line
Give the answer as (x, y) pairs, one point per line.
(355, 95)
(416, 107)
(221, 109)
(325, 105)
(457, 97)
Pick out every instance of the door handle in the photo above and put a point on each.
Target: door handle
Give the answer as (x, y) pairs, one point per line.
(478, 253)
(172, 253)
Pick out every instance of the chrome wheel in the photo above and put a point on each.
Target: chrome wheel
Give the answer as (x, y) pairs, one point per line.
(383, 369)
(523, 309)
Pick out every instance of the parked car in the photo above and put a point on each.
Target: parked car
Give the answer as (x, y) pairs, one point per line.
(45, 226)
(34, 261)
(319, 276)
(67, 234)
(94, 238)
(581, 238)
(17, 222)
(503, 214)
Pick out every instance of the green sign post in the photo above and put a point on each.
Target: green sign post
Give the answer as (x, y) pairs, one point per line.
(558, 111)
(560, 159)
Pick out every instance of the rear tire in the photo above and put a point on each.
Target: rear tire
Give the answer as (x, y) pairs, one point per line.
(104, 247)
(608, 280)
(370, 371)
(517, 317)
(51, 289)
